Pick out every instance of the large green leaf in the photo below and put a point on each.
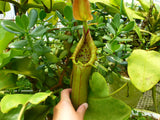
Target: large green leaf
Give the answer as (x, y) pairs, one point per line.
(5, 38)
(4, 6)
(129, 94)
(9, 102)
(63, 21)
(59, 5)
(116, 20)
(154, 39)
(107, 6)
(33, 16)
(38, 31)
(145, 4)
(7, 80)
(129, 26)
(11, 115)
(51, 58)
(37, 112)
(42, 14)
(22, 21)
(135, 14)
(6, 57)
(111, 29)
(22, 1)
(25, 66)
(99, 43)
(107, 109)
(68, 13)
(144, 69)
(19, 44)
(52, 17)
(113, 7)
(115, 2)
(102, 106)
(39, 97)
(97, 81)
(48, 3)
(12, 27)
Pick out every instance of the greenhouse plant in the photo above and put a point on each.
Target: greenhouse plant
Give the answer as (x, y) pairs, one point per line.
(106, 51)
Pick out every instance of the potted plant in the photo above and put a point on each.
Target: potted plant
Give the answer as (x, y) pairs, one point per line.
(144, 114)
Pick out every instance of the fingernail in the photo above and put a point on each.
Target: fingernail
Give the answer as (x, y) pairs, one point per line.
(85, 105)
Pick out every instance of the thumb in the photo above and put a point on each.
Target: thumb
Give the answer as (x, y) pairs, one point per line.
(82, 109)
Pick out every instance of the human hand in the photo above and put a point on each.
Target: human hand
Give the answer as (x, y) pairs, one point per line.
(64, 110)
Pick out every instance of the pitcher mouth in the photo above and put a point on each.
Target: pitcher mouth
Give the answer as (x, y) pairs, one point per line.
(85, 52)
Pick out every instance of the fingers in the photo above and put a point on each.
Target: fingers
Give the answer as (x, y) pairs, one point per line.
(82, 109)
(65, 95)
(65, 100)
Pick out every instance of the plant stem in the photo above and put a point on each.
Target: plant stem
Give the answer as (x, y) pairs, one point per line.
(85, 26)
(60, 82)
(33, 6)
(113, 92)
(29, 41)
(50, 5)
(22, 111)
(56, 91)
(146, 32)
(132, 4)
(118, 89)
(154, 98)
